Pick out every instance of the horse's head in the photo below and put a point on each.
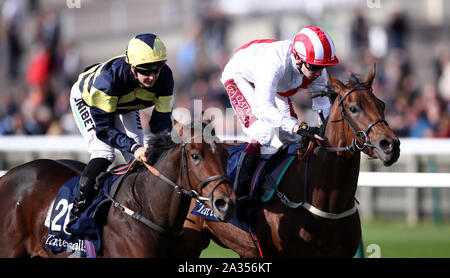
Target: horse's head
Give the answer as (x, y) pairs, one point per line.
(363, 116)
(204, 162)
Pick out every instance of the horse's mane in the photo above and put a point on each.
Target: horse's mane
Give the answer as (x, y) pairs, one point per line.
(354, 80)
(158, 144)
(161, 143)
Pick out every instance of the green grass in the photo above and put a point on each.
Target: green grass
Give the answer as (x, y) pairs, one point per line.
(397, 240)
(215, 251)
(393, 239)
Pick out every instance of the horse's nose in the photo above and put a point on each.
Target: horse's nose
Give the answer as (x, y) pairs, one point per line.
(225, 206)
(222, 204)
(387, 145)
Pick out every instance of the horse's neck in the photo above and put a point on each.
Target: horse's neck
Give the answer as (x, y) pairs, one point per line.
(338, 133)
(333, 176)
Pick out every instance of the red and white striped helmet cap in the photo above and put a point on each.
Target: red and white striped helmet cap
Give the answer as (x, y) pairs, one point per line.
(314, 46)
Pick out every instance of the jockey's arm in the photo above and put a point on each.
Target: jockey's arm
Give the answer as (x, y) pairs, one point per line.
(265, 91)
(108, 133)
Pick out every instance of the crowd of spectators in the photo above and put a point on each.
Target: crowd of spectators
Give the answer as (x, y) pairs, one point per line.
(36, 73)
(39, 74)
(413, 109)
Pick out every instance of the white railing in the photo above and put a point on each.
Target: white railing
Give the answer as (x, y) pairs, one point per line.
(404, 180)
(19, 143)
(69, 143)
(410, 147)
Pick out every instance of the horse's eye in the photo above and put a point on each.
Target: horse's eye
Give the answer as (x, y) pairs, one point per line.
(353, 109)
(195, 156)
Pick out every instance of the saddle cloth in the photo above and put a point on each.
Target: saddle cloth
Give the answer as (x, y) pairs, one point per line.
(267, 175)
(88, 242)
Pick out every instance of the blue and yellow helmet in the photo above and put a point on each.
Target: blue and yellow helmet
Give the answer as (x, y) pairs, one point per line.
(144, 49)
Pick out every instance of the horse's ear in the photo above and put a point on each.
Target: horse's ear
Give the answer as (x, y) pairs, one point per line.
(180, 130)
(369, 78)
(338, 86)
(207, 121)
(178, 126)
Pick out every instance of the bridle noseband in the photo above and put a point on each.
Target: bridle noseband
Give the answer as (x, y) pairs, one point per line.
(185, 165)
(361, 134)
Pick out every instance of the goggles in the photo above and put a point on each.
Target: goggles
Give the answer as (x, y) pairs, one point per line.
(312, 67)
(309, 66)
(147, 69)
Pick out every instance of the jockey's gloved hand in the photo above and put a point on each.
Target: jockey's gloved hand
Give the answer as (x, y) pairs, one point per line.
(307, 131)
(140, 153)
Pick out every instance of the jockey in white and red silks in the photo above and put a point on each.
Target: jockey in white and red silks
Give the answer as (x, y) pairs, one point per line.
(261, 77)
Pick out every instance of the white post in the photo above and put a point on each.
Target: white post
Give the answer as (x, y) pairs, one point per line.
(412, 195)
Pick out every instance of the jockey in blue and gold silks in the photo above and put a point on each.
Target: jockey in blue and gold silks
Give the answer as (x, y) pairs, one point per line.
(105, 102)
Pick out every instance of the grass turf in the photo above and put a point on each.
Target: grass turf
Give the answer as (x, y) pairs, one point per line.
(386, 239)
(398, 240)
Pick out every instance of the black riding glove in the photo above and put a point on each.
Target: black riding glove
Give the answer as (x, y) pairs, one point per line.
(307, 134)
(307, 131)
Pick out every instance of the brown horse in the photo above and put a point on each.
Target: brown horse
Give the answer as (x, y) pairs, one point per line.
(325, 221)
(194, 168)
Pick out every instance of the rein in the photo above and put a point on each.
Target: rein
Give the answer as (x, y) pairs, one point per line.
(361, 134)
(190, 193)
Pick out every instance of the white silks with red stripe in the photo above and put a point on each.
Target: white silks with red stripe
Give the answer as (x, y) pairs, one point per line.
(260, 79)
(313, 45)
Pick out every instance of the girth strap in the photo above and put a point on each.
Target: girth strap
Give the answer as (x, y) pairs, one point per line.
(142, 219)
(316, 211)
(285, 200)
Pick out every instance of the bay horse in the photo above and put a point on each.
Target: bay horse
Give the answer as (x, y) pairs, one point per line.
(313, 213)
(194, 168)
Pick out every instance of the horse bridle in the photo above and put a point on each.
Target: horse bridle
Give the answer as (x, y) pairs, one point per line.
(361, 134)
(185, 165)
(190, 193)
(354, 146)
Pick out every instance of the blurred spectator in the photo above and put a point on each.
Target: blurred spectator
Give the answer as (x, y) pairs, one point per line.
(359, 33)
(398, 30)
(188, 50)
(71, 63)
(34, 6)
(441, 57)
(12, 12)
(215, 25)
(444, 82)
(38, 75)
(48, 33)
(38, 103)
(419, 122)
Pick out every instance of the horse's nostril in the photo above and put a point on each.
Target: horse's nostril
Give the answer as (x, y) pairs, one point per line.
(387, 145)
(221, 204)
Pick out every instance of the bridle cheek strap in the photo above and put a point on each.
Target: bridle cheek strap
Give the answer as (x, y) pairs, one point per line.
(362, 134)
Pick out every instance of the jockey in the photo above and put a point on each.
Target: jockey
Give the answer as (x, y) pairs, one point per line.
(261, 77)
(105, 102)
